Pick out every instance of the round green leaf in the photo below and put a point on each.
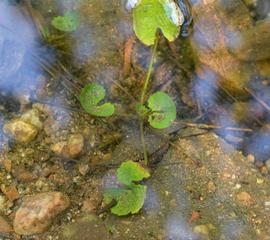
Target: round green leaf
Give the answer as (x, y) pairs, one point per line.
(90, 96)
(128, 201)
(163, 110)
(130, 197)
(67, 23)
(130, 171)
(151, 15)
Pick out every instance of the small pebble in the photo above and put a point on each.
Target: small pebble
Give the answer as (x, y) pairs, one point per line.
(83, 169)
(23, 175)
(267, 164)
(211, 186)
(92, 203)
(264, 170)
(57, 148)
(75, 145)
(20, 131)
(72, 148)
(244, 198)
(32, 117)
(201, 229)
(11, 192)
(195, 215)
(260, 181)
(250, 158)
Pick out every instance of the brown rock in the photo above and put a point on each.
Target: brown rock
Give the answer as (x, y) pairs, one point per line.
(5, 162)
(250, 158)
(244, 198)
(195, 215)
(38, 211)
(71, 148)
(4, 226)
(267, 164)
(264, 170)
(75, 145)
(43, 108)
(83, 169)
(23, 175)
(91, 204)
(20, 131)
(11, 192)
(211, 186)
(32, 117)
(51, 126)
(57, 148)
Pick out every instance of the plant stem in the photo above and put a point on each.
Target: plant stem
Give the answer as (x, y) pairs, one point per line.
(150, 67)
(143, 144)
(145, 85)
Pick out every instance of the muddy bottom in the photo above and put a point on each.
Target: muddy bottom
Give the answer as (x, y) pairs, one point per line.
(209, 169)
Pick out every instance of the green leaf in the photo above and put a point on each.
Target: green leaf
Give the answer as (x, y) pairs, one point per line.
(67, 23)
(130, 171)
(130, 197)
(163, 110)
(128, 200)
(90, 96)
(151, 15)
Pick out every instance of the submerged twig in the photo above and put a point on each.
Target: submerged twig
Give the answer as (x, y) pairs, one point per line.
(260, 101)
(207, 126)
(127, 55)
(124, 90)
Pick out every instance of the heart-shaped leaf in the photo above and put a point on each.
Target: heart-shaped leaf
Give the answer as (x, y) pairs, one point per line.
(151, 15)
(67, 23)
(90, 96)
(163, 110)
(128, 200)
(130, 197)
(131, 172)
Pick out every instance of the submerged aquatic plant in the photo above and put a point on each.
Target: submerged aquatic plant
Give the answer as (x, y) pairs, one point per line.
(148, 17)
(163, 110)
(67, 23)
(129, 197)
(90, 96)
(151, 15)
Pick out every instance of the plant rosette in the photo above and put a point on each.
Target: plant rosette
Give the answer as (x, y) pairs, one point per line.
(161, 111)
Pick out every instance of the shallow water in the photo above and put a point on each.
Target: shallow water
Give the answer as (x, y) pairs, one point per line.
(219, 79)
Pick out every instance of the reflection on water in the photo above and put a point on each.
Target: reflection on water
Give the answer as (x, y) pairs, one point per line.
(178, 229)
(227, 45)
(20, 73)
(220, 78)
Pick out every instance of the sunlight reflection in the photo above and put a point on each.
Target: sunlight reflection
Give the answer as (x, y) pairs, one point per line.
(178, 229)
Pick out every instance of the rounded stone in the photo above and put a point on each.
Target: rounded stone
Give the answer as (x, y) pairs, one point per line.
(20, 131)
(37, 212)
